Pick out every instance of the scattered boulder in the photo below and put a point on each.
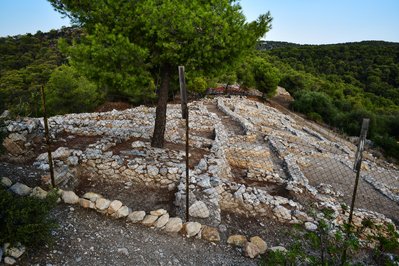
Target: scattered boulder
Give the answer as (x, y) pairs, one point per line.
(21, 189)
(310, 226)
(16, 252)
(210, 233)
(61, 153)
(39, 193)
(152, 171)
(161, 222)
(136, 216)
(192, 228)
(15, 144)
(174, 225)
(114, 206)
(199, 210)
(102, 204)
(122, 212)
(85, 203)
(158, 212)
(282, 213)
(9, 261)
(69, 197)
(138, 144)
(260, 243)
(251, 250)
(6, 182)
(92, 196)
(237, 240)
(149, 220)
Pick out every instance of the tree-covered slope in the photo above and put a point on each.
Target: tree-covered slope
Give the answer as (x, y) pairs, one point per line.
(340, 84)
(26, 63)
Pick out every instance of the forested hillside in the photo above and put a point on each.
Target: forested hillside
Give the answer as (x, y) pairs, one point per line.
(342, 83)
(26, 63)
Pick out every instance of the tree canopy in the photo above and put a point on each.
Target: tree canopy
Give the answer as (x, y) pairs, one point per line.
(151, 38)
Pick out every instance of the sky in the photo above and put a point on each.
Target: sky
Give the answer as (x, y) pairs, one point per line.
(298, 21)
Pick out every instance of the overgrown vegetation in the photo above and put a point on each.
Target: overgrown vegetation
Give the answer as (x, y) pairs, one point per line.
(26, 219)
(325, 246)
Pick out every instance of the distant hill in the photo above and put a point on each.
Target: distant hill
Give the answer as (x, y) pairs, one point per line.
(26, 63)
(270, 45)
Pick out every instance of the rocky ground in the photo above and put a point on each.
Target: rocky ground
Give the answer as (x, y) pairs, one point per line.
(254, 170)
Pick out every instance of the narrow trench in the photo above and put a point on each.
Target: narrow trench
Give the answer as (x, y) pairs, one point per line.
(232, 127)
(240, 175)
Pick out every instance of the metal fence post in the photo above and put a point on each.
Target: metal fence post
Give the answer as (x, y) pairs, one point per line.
(46, 132)
(356, 167)
(184, 108)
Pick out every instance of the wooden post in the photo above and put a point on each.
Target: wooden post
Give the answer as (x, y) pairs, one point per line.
(184, 108)
(47, 134)
(358, 163)
(183, 93)
(356, 167)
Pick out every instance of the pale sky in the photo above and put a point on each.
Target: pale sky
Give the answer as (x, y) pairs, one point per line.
(299, 21)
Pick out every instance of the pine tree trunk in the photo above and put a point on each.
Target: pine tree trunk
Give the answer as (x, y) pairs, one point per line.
(160, 119)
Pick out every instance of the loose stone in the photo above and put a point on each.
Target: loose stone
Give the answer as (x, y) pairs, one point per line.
(136, 216)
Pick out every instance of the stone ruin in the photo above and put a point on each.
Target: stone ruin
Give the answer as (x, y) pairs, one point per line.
(239, 173)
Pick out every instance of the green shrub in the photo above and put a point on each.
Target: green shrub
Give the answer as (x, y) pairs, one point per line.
(69, 92)
(26, 219)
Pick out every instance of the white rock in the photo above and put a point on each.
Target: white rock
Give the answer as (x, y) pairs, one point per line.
(158, 212)
(85, 203)
(174, 225)
(114, 206)
(152, 170)
(122, 212)
(123, 251)
(173, 170)
(136, 216)
(310, 226)
(39, 193)
(92, 196)
(69, 197)
(149, 220)
(282, 213)
(102, 204)
(5, 181)
(16, 252)
(21, 189)
(138, 144)
(9, 261)
(61, 153)
(199, 210)
(192, 228)
(162, 221)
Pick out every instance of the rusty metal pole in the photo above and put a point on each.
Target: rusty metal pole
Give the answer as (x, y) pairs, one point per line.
(47, 134)
(184, 108)
(356, 167)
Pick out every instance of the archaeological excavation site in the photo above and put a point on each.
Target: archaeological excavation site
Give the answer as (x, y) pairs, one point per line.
(256, 171)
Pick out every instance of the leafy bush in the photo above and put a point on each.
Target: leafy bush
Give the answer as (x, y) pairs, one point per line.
(26, 219)
(69, 92)
(198, 85)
